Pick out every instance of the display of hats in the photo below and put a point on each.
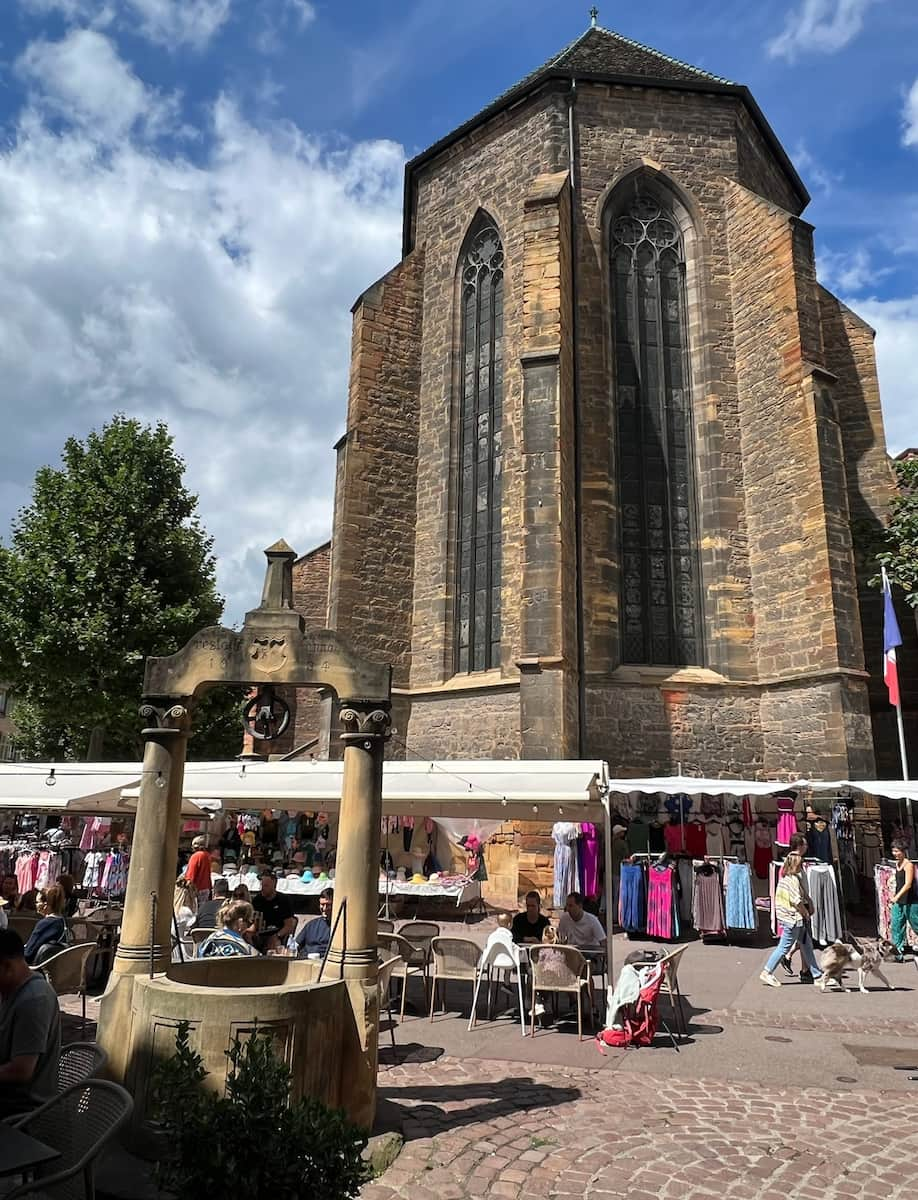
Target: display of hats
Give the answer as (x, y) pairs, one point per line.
(323, 875)
(435, 877)
(307, 877)
(418, 879)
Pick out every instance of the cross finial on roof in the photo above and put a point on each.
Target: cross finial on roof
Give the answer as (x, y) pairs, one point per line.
(594, 16)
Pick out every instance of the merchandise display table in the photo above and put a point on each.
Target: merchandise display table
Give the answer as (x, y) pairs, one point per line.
(468, 892)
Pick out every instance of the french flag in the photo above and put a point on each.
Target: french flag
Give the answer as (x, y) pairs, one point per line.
(891, 639)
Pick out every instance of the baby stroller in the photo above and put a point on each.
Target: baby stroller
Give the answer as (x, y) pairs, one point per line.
(635, 1023)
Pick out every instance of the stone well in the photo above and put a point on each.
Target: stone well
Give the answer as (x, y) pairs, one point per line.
(222, 999)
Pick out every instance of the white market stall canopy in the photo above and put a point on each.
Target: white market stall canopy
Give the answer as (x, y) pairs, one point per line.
(484, 788)
(88, 788)
(689, 785)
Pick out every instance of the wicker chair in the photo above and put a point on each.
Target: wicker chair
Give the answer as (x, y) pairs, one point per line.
(670, 987)
(66, 972)
(453, 958)
(78, 1123)
(78, 1062)
(384, 926)
(23, 924)
(500, 954)
(81, 930)
(391, 945)
(561, 969)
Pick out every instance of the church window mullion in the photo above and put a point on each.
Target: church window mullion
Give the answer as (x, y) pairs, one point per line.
(477, 618)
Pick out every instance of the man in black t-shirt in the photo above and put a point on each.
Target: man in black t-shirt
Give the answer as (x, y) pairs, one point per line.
(529, 926)
(276, 911)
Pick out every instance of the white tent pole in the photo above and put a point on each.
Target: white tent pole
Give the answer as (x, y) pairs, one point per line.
(610, 887)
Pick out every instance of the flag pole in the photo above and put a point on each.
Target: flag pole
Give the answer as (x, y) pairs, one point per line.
(903, 758)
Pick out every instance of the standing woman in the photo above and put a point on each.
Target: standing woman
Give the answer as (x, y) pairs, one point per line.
(792, 908)
(905, 900)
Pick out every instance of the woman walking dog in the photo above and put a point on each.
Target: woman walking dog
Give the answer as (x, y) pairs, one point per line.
(793, 910)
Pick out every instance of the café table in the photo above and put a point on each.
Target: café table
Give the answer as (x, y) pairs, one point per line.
(20, 1153)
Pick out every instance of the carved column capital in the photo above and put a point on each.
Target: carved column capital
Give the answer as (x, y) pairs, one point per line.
(364, 721)
(166, 715)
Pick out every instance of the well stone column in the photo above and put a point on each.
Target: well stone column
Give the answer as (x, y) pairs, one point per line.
(154, 855)
(353, 954)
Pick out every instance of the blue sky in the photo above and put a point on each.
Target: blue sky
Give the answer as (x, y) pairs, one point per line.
(193, 192)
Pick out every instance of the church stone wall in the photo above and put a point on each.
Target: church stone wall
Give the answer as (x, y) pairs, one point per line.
(373, 536)
(480, 724)
(647, 730)
(757, 168)
(490, 170)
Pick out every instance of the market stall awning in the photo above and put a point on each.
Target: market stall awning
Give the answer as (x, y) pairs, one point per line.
(499, 790)
(95, 788)
(689, 785)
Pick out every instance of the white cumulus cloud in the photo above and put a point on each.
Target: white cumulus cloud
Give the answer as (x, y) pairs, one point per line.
(910, 117)
(819, 26)
(167, 22)
(82, 79)
(896, 323)
(213, 294)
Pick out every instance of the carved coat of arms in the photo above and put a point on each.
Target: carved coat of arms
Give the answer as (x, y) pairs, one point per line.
(268, 654)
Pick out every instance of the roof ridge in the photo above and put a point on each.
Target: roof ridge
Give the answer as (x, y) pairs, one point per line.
(677, 62)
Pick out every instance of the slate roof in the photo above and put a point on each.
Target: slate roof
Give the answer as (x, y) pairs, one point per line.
(602, 55)
(600, 51)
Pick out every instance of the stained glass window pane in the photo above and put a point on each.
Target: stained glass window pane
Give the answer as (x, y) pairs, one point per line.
(477, 622)
(660, 610)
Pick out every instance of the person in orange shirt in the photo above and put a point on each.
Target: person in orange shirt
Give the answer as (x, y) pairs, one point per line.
(198, 869)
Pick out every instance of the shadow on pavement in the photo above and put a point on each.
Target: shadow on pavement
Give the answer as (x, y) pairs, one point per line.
(406, 1108)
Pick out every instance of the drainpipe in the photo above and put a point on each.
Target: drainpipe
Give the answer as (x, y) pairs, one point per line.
(578, 443)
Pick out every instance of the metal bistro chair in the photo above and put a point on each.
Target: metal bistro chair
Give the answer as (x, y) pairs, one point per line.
(670, 987)
(500, 954)
(66, 972)
(561, 969)
(453, 958)
(420, 934)
(384, 980)
(391, 945)
(23, 924)
(78, 1122)
(78, 1062)
(384, 926)
(198, 936)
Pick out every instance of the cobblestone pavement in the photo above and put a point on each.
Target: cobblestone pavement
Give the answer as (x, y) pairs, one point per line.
(480, 1128)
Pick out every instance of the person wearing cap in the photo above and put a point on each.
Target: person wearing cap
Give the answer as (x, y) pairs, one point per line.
(198, 869)
(30, 1031)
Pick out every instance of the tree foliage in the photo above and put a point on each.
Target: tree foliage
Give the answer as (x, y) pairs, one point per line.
(108, 564)
(900, 555)
(254, 1138)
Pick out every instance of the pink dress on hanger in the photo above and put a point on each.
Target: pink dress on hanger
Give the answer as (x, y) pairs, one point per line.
(588, 853)
(787, 822)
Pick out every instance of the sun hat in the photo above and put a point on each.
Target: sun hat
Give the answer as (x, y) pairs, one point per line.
(417, 879)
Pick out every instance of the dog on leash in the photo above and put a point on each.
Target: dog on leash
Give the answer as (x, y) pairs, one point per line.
(866, 960)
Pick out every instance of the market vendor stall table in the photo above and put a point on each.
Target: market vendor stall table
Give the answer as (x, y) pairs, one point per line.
(467, 892)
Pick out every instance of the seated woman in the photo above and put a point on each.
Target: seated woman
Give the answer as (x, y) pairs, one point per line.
(236, 921)
(52, 928)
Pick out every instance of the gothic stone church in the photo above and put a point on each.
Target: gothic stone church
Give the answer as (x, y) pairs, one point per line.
(610, 444)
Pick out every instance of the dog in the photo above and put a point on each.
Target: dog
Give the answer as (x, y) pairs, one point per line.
(843, 956)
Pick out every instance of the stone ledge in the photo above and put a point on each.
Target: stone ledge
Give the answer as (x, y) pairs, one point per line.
(475, 682)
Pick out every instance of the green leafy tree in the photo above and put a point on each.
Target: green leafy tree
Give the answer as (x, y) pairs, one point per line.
(900, 555)
(254, 1137)
(108, 564)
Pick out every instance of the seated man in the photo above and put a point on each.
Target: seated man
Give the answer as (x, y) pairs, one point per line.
(208, 909)
(30, 1031)
(278, 921)
(579, 928)
(315, 935)
(529, 926)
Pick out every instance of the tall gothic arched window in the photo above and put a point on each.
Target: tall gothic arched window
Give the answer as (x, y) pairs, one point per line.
(660, 608)
(480, 418)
